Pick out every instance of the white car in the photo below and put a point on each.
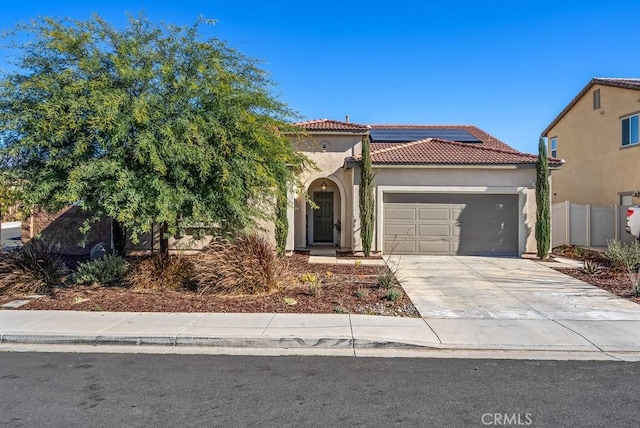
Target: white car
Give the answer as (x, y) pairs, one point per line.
(10, 235)
(633, 221)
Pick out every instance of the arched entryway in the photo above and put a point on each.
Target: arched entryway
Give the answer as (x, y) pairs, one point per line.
(322, 213)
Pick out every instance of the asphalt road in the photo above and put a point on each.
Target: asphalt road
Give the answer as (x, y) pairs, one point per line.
(133, 390)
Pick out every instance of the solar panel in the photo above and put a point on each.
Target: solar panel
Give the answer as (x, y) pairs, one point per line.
(401, 135)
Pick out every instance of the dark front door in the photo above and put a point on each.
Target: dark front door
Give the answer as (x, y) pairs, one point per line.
(323, 217)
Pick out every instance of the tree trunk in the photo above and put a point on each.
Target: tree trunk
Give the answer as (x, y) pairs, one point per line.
(119, 238)
(164, 239)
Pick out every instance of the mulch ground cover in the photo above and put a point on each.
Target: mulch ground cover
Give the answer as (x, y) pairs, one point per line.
(608, 278)
(350, 288)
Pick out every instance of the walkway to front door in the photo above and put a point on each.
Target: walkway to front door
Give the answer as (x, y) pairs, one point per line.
(323, 217)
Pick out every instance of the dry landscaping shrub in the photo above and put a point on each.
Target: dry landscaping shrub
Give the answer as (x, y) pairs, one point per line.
(315, 289)
(590, 267)
(245, 266)
(309, 278)
(627, 258)
(386, 277)
(362, 293)
(394, 294)
(162, 273)
(289, 301)
(34, 268)
(340, 310)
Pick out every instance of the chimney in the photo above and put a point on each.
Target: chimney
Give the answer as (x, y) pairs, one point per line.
(347, 118)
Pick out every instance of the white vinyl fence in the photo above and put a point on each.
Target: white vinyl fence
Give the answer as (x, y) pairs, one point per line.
(587, 225)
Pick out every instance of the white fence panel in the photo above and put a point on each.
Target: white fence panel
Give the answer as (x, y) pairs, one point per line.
(602, 226)
(586, 225)
(559, 225)
(579, 225)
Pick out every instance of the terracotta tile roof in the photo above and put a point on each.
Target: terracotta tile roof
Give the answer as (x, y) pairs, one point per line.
(332, 125)
(486, 139)
(625, 83)
(432, 151)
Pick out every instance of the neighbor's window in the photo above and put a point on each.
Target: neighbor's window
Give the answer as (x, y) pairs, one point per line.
(554, 147)
(630, 130)
(596, 99)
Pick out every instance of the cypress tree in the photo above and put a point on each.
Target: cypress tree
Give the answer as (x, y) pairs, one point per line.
(543, 204)
(281, 221)
(366, 198)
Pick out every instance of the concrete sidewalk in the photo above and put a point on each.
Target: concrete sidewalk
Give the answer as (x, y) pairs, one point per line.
(216, 329)
(488, 307)
(323, 334)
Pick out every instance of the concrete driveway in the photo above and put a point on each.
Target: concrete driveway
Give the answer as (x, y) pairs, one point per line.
(513, 303)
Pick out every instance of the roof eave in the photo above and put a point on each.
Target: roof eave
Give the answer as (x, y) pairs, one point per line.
(592, 82)
(351, 163)
(453, 165)
(337, 132)
(331, 132)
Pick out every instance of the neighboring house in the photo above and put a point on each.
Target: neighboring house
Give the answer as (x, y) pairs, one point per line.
(438, 190)
(597, 135)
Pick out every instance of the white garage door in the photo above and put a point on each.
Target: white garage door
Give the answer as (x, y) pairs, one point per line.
(450, 224)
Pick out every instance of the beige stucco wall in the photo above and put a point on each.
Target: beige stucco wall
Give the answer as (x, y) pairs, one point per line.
(344, 182)
(329, 166)
(597, 168)
(520, 181)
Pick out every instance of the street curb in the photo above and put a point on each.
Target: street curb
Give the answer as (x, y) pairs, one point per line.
(194, 341)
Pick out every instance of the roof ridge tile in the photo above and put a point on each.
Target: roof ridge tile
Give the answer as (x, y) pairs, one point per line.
(339, 124)
(471, 154)
(399, 146)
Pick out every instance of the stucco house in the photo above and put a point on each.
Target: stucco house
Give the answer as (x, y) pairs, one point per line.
(438, 189)
(597, 135)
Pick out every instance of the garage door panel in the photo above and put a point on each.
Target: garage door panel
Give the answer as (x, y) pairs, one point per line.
(434, 230)
(443, 213)
(477, 248)
(408, 213)
(400, 247)
(400, 230)
(451, 224)
(434, 247)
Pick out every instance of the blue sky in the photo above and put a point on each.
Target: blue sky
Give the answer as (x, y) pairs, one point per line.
(508, 67)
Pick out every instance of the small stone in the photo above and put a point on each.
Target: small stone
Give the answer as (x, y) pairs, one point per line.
(14, 304)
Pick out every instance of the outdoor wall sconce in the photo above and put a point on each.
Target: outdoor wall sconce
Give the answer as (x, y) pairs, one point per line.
(324, 186)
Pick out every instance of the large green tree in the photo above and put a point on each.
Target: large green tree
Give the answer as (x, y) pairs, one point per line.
(150, 123)
(543, 202)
